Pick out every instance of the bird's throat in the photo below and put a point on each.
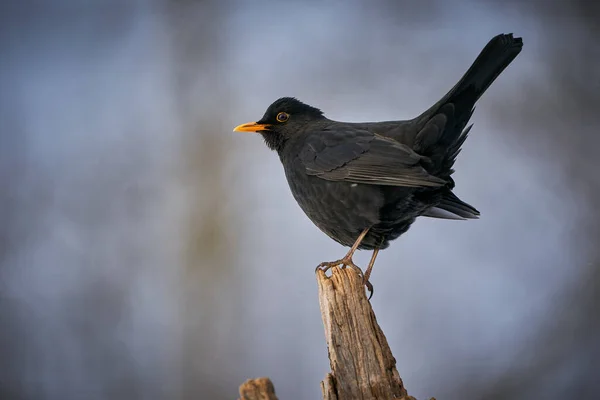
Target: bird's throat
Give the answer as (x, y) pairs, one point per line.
(274, 140)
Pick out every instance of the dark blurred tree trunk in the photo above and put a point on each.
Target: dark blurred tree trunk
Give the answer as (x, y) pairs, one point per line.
(208, 261)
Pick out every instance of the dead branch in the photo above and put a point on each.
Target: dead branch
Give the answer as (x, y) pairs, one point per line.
(362, 364)
(257, 389)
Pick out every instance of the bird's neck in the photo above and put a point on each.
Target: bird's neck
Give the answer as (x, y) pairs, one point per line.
(274, 141)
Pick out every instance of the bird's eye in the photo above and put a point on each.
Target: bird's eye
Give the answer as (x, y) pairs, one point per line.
(282, 117)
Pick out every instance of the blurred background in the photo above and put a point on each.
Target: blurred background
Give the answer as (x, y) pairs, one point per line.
(149, 252)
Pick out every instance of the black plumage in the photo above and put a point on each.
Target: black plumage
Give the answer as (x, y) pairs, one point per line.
(376, 178)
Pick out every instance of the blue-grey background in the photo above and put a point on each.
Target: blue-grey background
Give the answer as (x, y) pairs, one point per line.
(149, 252)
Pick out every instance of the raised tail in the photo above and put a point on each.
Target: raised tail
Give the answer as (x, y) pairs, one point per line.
(500, 51)
(441, 129)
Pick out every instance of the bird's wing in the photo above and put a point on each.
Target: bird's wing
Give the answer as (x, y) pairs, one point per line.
(359, 156)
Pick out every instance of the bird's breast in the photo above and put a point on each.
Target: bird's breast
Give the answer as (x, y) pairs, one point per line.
(340, 209)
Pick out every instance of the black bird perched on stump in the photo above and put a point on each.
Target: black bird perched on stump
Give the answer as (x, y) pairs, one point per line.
(364, 184)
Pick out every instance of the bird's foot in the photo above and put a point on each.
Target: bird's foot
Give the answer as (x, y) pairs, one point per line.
(342, 263)
(369, 286)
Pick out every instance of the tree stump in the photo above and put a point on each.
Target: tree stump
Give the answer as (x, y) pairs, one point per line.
(362, 364)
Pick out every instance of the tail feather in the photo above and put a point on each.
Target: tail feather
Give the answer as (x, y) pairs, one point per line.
(455, 149)
(442, 128)
(451, 207)
(500, 51)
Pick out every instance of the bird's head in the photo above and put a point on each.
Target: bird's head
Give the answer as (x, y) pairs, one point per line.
(283, 119)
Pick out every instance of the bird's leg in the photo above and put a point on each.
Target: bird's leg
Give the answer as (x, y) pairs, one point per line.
(367, 274)
(347, 260)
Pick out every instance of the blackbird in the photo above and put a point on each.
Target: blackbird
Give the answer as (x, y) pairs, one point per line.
(364, 184)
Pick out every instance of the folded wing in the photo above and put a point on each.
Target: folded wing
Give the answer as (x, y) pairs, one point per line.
(359, 156)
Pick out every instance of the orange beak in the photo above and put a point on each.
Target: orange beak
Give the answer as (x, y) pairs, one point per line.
(251, 127)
